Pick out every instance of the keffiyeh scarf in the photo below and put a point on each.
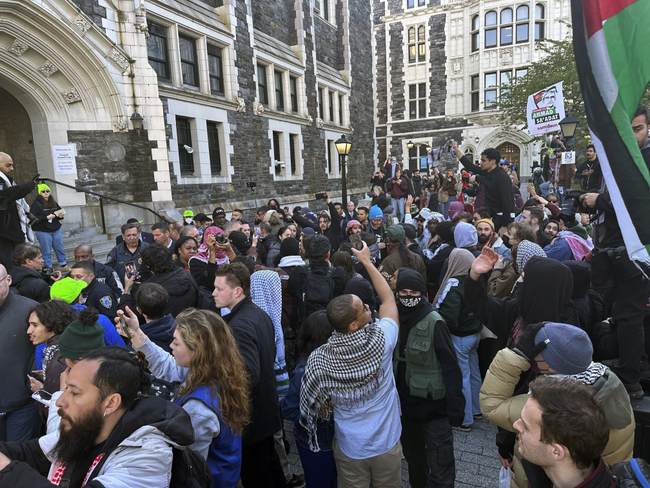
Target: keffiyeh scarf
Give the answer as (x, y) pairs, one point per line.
(345, 371)
(266, 293)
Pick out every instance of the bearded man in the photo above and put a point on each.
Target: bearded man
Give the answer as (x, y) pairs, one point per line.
(488, 236)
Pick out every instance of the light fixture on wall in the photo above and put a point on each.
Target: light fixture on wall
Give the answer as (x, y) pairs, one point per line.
(477, 139)
(188, 149)
(410, 144)
(137, 121)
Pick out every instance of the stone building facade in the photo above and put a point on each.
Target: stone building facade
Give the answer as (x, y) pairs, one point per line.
(441, 65)
(186, 103)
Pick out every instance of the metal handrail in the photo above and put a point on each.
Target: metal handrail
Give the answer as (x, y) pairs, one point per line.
(112, 199)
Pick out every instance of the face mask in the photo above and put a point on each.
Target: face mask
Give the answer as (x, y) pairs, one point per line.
(410, 302)
(188, 220)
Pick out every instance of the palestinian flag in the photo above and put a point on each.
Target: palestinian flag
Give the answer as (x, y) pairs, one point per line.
(611, 41)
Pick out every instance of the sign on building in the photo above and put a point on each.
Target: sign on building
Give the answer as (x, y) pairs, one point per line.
(545, 110)
(63, 156)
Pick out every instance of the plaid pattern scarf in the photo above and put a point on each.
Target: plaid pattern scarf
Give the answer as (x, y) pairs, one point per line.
(344, 371)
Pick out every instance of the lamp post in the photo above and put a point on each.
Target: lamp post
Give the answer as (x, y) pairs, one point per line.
(137, 120)
(343, 147)
(568, 126)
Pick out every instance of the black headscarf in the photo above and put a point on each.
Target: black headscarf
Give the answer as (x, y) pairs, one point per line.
(581, 277)
(546, 292)
(362, 288)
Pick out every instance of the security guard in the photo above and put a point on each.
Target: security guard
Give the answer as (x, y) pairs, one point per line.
(97, 295)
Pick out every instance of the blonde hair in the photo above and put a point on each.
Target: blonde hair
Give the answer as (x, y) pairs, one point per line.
(216, 362)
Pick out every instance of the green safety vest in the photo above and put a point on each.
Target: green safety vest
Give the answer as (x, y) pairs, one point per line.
(423, 372)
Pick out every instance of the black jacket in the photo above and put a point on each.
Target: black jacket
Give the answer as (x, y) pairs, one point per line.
(29, 466)
(106, 274)
(255, 336)
(38, 210)
(183, 292)
(161, 331)
(120, 256)
(99, 296)
(10, 229)
(30, 284)
(16, 352)
(496, 188)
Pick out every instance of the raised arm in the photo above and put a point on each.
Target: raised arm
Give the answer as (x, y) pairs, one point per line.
(388, 308)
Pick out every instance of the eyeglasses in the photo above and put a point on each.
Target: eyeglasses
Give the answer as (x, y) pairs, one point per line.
(45, 191)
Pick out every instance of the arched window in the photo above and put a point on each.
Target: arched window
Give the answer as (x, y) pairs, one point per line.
(523, 26)
(475, 32)
(506, 16)
(422, 51)
(490, 29)
(522, 12)
(540, 24)
(412, 45)
(505, 29)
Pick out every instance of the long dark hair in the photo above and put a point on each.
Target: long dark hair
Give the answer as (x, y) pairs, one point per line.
(315, 332)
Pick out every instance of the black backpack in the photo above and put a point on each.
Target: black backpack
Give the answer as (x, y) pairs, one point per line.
(189, 470)
(317, 292)
(632, 474)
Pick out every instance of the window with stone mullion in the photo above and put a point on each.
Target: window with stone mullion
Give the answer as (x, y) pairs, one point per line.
(184, 138)
(417, 100)
(189, 65)
(262, 85)
(279, 90)
(215, 67)
(214, 147)
(157, 51)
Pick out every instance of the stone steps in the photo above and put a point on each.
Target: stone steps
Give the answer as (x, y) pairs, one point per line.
(101, 243)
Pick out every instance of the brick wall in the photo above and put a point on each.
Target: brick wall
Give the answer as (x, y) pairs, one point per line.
(438, 60)
(92, 9)
(396, 33)
(276, 18)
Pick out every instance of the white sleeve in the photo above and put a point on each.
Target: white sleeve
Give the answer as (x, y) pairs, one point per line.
(205, 423)
(161, 363)
(391, 329)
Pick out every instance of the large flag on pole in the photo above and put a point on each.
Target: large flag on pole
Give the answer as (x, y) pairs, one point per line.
(611, 40)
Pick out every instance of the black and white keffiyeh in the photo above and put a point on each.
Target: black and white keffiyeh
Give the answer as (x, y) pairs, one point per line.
(344, 371)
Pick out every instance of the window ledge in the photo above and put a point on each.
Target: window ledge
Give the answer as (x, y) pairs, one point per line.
(327, 22)
(288, 178)
(202, 180)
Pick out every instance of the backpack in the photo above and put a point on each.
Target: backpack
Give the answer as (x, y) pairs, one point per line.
(632, 474)
(189, 470)
(317, 292)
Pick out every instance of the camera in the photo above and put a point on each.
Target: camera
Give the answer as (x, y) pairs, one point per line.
(221, 239)
(571, 204)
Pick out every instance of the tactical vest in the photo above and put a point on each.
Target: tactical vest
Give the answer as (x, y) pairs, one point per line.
(423, 374)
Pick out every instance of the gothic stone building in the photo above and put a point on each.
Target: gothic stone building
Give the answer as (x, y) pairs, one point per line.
(186, 103)
(441, 65)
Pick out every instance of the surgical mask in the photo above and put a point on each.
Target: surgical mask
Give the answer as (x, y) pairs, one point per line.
(410, 302)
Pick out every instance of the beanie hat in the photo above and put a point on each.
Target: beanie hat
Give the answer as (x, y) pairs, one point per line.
(81, 336)
(410, 231)
(351, 224)
(67, 289)
(485, 221)
(568, 348)
(289, 247)
(41, 187)
(319, 246)
(188, 213)
(395, 233)
(375, 213)
(201, 217)
(308, 232)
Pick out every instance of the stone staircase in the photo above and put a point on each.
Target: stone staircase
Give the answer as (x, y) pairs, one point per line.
(101, 243)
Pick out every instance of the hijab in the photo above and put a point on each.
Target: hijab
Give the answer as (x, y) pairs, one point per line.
(546, 292)
(458, 264)
(465, 235)
(203, 253)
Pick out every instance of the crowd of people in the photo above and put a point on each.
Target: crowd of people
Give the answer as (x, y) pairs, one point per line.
(375, 327)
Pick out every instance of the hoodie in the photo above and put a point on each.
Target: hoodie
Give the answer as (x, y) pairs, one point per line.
(161, 331)
(138, 452)
(29, 283)
(183, 292)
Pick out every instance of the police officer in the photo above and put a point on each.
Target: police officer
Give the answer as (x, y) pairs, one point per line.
(97, 295)
(618, 278)
(103, 273)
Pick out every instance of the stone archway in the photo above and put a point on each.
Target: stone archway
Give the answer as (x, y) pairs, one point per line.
(16, 136)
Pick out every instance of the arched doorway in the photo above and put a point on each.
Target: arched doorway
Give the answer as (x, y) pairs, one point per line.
(16, 136)
(510, 152)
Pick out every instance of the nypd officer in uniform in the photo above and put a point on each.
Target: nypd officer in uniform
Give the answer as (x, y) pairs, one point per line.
(97, 295)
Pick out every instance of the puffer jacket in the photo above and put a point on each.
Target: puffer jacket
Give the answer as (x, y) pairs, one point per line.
(502, 408)
(138, 454)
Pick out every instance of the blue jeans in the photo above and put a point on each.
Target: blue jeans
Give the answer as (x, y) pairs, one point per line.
(398, 208)
(466, 352)
(49, 241)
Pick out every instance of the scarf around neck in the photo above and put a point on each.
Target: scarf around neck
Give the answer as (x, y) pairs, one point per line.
(344, 371)
(23, 210)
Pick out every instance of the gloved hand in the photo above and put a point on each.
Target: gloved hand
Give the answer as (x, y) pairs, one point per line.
(526, 346)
